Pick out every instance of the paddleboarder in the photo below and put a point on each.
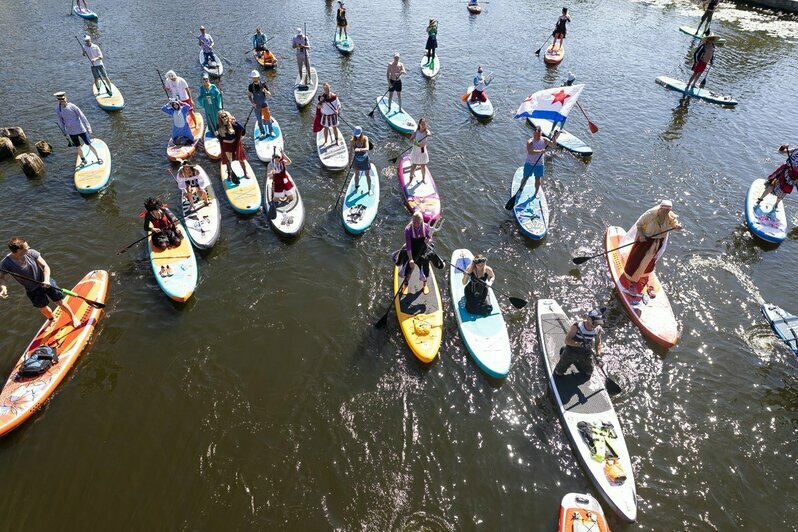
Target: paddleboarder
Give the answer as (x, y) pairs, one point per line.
(181, 131)
(28, 262)
(340, 20)
(257, 97)
(534, 164)
(85, 5)
(163, 225)
(95, 55)
(211, 100)
(703, 56)
(206, 43)
(330, 107)
(74, 124)
(191, 181)
(395, 71)
(360, 152)
(282, 187)
(647, 248)
(418, 245)
(559, 28)
(419, 156)
(580, 341)
(229, 134)
(432, 41)
(477, 278)
(783, 180)
(302, 45)
(177, 87)
(259, 42)
(707, 16)
(480, 83)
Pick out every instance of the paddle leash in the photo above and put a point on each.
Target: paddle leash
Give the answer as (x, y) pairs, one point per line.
(95, 304)
(516, 301)
(581, 260)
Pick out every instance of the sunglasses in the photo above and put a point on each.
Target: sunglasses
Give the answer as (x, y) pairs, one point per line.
(480, 261)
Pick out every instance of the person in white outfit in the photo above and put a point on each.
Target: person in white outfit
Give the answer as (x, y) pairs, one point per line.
(419, 156)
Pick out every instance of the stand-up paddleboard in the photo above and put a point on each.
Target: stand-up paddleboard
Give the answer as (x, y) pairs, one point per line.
(204, 222)
(94, 175)
(476, 9)
(485, 336)
(420, 315)
(214, 68)
(265, 144)
(531, 213)
(22, 396)
(108, 102)
(566, 140)
(588, 416)
(784, 324)
(245, 197)
(333, 155)
(553, 56)
(345, 45)
(417, 194)
(180, 285)
(266, 60)
(88, 14)
(653, 315)
(211, 144)
(175, 152)
(580, 512)
(360, 207)
(399, 120)
(303, 94)
(480, 109)
(430, 69)
(762, 220)
(691, 31)
(286, 217)
(703, 94)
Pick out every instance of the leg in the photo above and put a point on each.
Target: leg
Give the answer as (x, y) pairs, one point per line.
(335, 130)
(412, 172)
(259, 119)
(326, 134)
(307, 69)
(65, 308)
(423, 173)
(390, 99)
(94, 150)
(399, 100)
(537, 187)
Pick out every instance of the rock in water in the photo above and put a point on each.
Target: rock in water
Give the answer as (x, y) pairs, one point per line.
(44, 148)
(7, 149)
(16, 135)
(32, 164)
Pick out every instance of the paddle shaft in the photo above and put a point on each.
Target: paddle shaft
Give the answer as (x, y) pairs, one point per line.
(267, 40)
(95, 304)
(612, 387)
(704, 81)
(537, 52)
(584, 259)
(145, 237)
(510, 204)
(163, 83)
(408, 149)
(483, 282)
(390, 86)
(346, 182)
(247, 120)
(188, 191)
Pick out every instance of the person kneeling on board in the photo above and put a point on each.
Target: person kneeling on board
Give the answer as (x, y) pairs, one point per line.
(703, 56)
(181, 131)
(650, 239)
(418, 246)
(783, 180)
(164, 228)
(282, 187)
(581, 339)
(477, 278)
(480, 83)
(191, 181)
(26, 262)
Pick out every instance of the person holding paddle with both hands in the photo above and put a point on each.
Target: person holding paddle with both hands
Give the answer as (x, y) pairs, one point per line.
(535, 149)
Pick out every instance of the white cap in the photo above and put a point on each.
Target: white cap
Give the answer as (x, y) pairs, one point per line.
(60, 94)
(254, 74)
(396, 55)
(668, 204)
(299, 31)
(171, 74)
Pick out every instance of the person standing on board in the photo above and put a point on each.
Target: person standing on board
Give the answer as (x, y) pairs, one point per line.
(95, 55)
(361, 161)
(301, 45)
(535, 150)
(85, 5)
(580, 341)
(419, 156)
(330, 107)
(257, 97)
(432, 41)
(703, 56)
(395, 71)
(480, 83)
(229, 134)
(74, 124)
(477, 278)
(177, 87)
(29, 263)
(282, 187)
(707, 16)
(559, 28)
(782, 181)
(418, 245)
(211, 100)
(340, 20)
(649, 244)
(206, 43)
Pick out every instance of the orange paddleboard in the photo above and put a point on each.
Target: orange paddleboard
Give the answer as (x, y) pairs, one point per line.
(20, 398)
(175, 152)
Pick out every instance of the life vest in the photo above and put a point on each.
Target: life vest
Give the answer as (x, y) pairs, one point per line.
(161, 223)
(584, 336)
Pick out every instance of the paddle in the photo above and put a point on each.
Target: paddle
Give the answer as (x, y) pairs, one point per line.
(390, 86)
(71, 6)
(69, 140)
(188, 190)
(163, 83)
(383, 321)
(346, 182)
(593, 127)
(516, 301)
(214, 51)
(512, 201)
(107, 88)
(465, 96)
(247, 120)
(267, 40)
(95, 304)
(271, 213)
(582, 260)
(537, 52)
(145, 237)
(612, 387)
(704, 81)
(407, 150)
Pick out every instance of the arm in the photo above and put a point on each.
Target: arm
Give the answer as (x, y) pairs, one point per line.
(491, 276)
(251, 96)
(45, 268)
(84, 120)
(568, 337)
(3, 288)
(598, 344)
(408, 247)
(467, 272)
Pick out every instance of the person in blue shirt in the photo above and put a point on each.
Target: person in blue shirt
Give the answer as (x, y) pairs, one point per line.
(74, 124)
(206, 43)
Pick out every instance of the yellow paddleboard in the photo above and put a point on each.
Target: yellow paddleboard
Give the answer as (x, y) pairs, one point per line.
(420, 315)
(93, 175)
(112, 102)
(244, 197)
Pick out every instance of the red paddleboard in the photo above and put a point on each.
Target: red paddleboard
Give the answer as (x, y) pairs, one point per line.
(418, 194)
(554, 55)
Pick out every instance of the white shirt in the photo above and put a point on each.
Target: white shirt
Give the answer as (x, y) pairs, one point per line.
(177, 88)
(94, 53)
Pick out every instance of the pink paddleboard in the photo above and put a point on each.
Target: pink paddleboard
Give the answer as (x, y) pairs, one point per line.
(418, 194)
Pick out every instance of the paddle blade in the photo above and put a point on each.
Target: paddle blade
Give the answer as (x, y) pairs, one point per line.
(593, 127)
(612, 387)
(95, 304)
(517, 302)
(537, 52)
(464, 97)
(511, 203)
(393, 160)
(580, 260)
(382, 322)
(703, 83)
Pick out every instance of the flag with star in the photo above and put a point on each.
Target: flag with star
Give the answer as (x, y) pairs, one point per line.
(550, 104)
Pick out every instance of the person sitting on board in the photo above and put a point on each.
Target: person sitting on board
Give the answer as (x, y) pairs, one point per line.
(95, 55)
(707, 16)
(74, 124)
(257, 97)
(650, 240)
(477, 278)
(282, 186)
(340, 21)
(229, 134)
(569, 80)
(301, 45)
(259, 42)
(395, 71)
(559, 28)
(181, 130)
(191, 181)
(206, 43)
(330, 107)
(418, 244)
(703, 56)
(29, 263)
(432, 41)
(535, 150)
(782, 181)
(580, 340)
(211, 100)
(163, 225)
(480, 83)
(419, 156)
(361, 162)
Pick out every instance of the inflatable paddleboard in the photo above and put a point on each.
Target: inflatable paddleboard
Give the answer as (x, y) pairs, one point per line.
(181, 259)
(553, 56)
(580, 512)
(430, 70)
(480, 109)
(265, 144)
(108, 102)
(177, 153)
(360, 207)
(23, 396)
(417, 194)
(93, 176)
(784, 324)
(266, 60)
(399, 120)
(655, 316)
(333, 156)
(762, 220)
(303, 94)
(420, 315)
(204, 224)
(245, 197)
(691, 31)
(88, 14)
(587, 415)
(566, 140)
(703, 94)
(531, 213)
(485, 337)
(215, 69)
(286, 217)
(211, 144)
(345, 45)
